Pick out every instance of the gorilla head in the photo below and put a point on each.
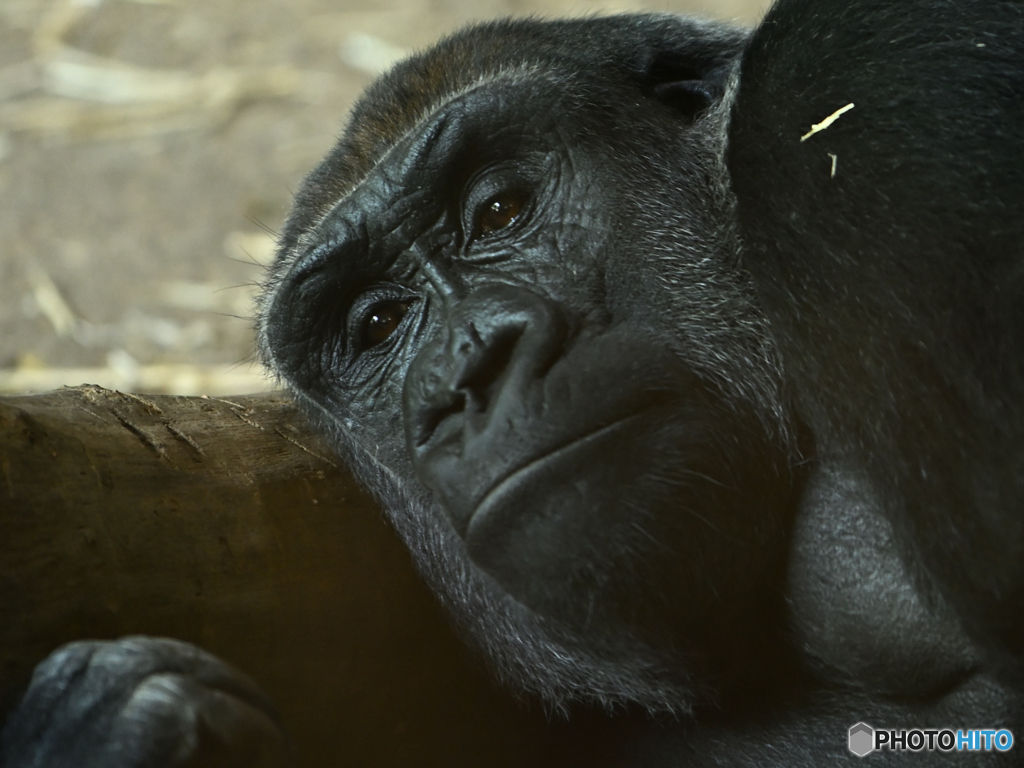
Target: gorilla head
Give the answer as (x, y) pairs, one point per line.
(511, 295)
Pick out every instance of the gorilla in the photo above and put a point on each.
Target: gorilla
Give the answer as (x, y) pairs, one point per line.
(687, 361)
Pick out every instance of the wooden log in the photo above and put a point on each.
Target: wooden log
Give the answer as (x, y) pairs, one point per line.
(226, 523)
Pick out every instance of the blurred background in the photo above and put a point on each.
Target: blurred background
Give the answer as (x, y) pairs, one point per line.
(149, 150)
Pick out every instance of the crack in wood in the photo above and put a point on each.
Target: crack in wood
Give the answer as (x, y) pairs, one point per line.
(147, 439)
(185, 438)
(153, 407)
(301, 447)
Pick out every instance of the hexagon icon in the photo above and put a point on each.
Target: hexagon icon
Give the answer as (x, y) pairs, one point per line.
(862, 739)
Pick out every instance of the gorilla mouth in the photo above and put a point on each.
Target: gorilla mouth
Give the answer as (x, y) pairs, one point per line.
(505, 495)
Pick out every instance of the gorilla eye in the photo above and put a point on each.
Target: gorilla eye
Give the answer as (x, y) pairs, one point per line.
(381, 321)
(499, 212)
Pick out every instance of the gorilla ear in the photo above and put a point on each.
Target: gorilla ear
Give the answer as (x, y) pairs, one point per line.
(683, 81)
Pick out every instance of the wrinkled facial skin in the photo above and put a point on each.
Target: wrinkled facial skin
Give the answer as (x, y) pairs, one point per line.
(554, 379)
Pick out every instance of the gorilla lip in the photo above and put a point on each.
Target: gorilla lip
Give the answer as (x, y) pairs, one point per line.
(490, 499)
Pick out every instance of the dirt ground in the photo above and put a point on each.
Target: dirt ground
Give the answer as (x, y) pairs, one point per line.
(148, 152)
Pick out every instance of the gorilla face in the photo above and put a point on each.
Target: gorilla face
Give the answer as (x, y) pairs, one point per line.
(522, 319)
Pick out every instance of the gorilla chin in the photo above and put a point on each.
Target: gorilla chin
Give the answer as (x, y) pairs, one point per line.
(543, 532)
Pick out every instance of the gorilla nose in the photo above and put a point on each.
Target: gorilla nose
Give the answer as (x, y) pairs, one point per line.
(475, 372)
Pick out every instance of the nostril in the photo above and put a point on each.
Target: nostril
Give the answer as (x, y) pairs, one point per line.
(481, 380)
(485, 356)
(474, 389)
(432, 417)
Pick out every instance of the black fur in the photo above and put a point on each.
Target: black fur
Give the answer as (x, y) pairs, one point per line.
(894, 289)
(718, 429)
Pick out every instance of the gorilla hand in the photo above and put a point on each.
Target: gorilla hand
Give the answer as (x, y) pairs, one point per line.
(141, 701)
